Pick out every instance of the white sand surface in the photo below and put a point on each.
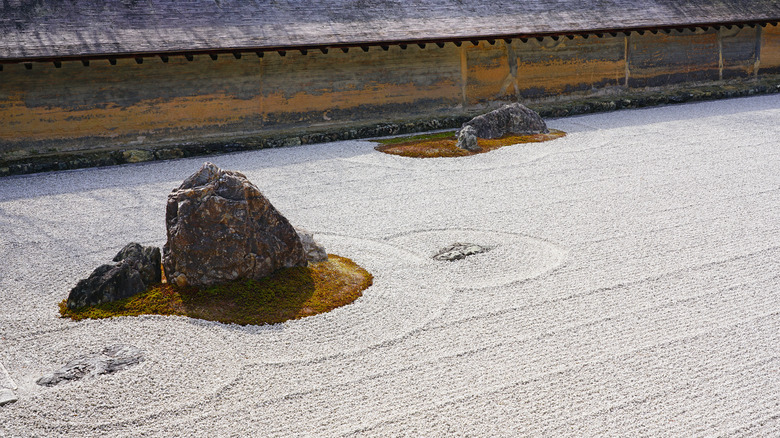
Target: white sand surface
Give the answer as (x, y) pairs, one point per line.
(633, 290)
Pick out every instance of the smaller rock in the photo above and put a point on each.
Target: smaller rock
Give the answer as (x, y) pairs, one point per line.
(7, 387)
(458, 251)
(144, 259)
(313, 250)
(467, 139)
(7, 396)
(291, 141)
(168, 154)
(110, 360)
(137, 268)
(137, 155)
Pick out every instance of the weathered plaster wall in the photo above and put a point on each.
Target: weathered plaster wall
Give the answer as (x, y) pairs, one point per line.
(539, 69)
(75, 107)
(47, 110)
(770, 50)
(337, 87)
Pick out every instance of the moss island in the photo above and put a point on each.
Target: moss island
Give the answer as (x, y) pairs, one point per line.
(290, 293)
(442, 144)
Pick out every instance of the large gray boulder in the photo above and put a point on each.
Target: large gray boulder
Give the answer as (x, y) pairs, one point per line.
(509, 119)
(137, 267)
(221, 228)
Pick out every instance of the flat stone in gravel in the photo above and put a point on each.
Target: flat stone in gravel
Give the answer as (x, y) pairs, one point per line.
(110, 360)
(459, 251)
(7, 387)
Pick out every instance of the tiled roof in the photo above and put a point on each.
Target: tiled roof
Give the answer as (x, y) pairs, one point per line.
(70, 28)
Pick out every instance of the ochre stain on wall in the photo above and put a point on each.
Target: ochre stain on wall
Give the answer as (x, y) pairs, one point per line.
(770, 50)
(539, 69)
(338, 82)
(107, 101)
(665, 59)
(145, 117)
(739, 48)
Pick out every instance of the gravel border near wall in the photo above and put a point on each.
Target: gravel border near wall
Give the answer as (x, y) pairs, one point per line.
(630, 290)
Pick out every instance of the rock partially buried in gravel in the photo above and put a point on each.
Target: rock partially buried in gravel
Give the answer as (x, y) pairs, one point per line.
(137, 267)
(458, 251)
(314, 251)
(467, 139)
(7, 387)
(7, 396)
(509, 119)
(110, 360)
(221, 228)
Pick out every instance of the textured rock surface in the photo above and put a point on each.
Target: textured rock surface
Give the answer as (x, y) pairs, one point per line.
(137, 155)
(144, 259)
(509, 119)
(314, 251)
(467, 139)
(221, 228)
(7, 387)
(7, 396)
(110, 360)
(137, 268)
(458, 251)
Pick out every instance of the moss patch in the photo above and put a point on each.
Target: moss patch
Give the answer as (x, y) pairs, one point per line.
(443, 144)
(405, 139)
(287, 294)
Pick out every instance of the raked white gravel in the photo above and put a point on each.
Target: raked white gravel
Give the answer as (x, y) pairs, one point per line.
(634, 290)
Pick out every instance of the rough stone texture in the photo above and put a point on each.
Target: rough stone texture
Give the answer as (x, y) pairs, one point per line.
(221, 228)
(509, 119)
(137, 155)
(144, 259)
(458, 251)
(7, 387)
(7, 396)
(314, 251)
(110, 360)
(467, 139)
(137, 268)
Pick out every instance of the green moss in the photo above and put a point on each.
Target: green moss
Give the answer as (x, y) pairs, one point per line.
(286, 294)
(436, 136)
(444, 144)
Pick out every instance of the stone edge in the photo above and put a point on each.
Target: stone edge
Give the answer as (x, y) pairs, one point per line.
(7, 387)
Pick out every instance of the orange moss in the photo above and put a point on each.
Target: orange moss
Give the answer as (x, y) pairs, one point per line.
(287, 294)
(445, 146)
